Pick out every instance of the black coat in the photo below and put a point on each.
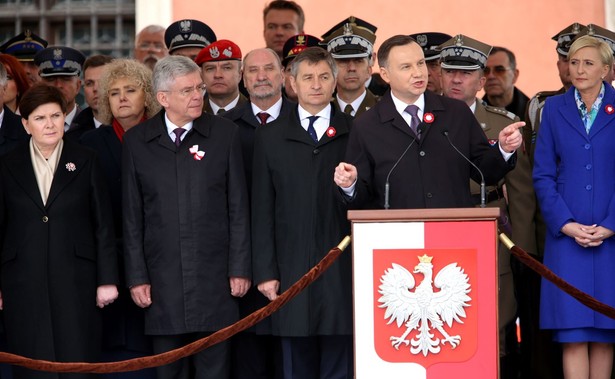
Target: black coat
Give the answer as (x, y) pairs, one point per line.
(296, 220)
(83, 122)
(11, 131)
(54, 256)
(123, 322)
(186, 223)
(431, 174)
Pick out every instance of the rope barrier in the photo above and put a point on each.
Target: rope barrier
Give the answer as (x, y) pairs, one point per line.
(194, 347)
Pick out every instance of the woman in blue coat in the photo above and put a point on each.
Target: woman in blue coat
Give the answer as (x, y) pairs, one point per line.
(574, 178)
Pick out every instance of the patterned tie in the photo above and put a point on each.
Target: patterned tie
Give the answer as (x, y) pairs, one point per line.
(178, 133)
(348, 109)
(311, 130)
(220, 111)
(413, 111)
(263, 116)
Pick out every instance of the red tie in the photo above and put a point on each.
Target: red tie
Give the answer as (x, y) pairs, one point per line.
(263, 116)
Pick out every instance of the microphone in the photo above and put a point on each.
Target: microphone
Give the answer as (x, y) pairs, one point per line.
(483, 191)
(419, 131)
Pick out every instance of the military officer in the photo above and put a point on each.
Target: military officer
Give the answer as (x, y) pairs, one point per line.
(429, 42)
(463, 60)
(188, 37)
(351, 44)
(221, 66)
(61, 67)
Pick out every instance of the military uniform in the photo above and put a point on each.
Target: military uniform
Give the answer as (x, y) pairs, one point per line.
(368, 102)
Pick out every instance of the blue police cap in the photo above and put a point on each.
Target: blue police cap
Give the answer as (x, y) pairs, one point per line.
(24, 46)
(59, 61)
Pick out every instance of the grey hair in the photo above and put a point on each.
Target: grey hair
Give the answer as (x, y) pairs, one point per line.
(169, 68)
(152, 29)
(4, 76)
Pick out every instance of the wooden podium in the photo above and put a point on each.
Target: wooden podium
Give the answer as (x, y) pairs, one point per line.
(425, 290)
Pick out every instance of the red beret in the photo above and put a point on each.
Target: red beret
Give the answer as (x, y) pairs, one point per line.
(221, 50)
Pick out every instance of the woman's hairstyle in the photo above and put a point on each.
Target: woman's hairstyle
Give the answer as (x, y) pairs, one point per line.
(134, 71)
(40, 94)
(604, 50)
(15, 70)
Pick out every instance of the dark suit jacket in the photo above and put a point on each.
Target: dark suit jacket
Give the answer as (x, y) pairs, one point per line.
(11, 132)
(57, 253)
(186, 223)
(83, 122)
(243, 117)
(296, 220)
(431, 174)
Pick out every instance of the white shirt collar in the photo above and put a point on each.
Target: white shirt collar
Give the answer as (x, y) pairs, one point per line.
(400, 106)
(355, 104)
(227, 107)
(171, 126)
(274, 110)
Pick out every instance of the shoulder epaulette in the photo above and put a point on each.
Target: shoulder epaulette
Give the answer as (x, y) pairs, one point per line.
(500, 111)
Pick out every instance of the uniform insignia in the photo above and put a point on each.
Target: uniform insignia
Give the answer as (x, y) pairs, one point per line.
(421, 39)
(331, 132)
(424, 309)
(348, 29)
(483, 125)
(228, 52)
(214, 52)
(185, 26)
(609, 109)
(57, 54)
(301, 40)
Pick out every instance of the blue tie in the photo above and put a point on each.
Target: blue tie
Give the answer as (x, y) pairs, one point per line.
(311, 130)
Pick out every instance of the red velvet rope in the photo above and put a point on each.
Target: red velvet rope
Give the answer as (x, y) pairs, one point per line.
(194, 347)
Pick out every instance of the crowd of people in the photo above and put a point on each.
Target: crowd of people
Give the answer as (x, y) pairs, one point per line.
(200, 182)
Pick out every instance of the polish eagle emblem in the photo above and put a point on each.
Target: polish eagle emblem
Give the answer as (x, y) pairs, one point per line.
(424, 309)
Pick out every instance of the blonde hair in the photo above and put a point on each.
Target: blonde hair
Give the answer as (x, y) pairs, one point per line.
(604, 50)
(134, 71)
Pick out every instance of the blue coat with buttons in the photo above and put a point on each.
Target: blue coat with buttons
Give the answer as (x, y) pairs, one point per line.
(574, 178)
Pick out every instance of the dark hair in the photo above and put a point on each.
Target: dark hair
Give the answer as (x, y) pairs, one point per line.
(97, 61)
(15, 69)
(385, 48)
(40, 94)
(286, 5)
(511, 55)
(313, 55)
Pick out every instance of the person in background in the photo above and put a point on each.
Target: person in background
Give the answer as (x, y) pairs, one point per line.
(502, 74)
(17, 82)
(281, 20)
(67, 260)
(429, 42)
(24, 47)
(188, 37)
(11, 129)
(573, 150)
(88, 118)
(150, 46)
(221, 66)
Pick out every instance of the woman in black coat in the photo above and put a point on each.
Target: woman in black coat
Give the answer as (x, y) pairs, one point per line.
(57, 259)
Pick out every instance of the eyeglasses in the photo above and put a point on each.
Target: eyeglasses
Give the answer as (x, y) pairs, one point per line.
(154, 46)
(185, 92)
(497, 70)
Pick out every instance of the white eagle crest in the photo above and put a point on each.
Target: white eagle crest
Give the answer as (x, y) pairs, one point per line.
(424, 307)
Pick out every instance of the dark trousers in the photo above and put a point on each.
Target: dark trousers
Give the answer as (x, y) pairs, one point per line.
(211, 363)
(256, 356)
(318, 357)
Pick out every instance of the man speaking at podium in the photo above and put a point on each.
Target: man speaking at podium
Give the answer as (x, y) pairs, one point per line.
(416, 149)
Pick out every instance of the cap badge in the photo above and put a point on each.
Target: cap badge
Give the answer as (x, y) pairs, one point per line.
(576, 28)
(228, 52)
(348, 29)
(214, 52)
(428, 118)
(331, 132)
(57, 54)
(185, 26)
(300, 40)
(28, 34)
(421, 39)
(609, 109)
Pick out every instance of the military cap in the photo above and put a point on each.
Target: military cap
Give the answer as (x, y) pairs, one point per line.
(296, 44)
(429, 42)
(59, 61)
(24, 46)
(564, 38)
(350, 38)
(463, 53)
(598, 32)
(222, 50)
(188, 33)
